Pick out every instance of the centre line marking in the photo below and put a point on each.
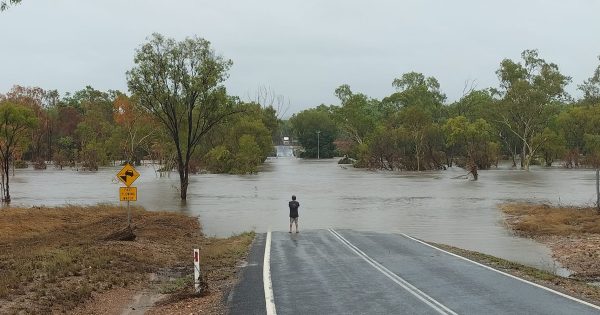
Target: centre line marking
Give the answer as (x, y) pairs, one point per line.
(269, 299)
(439, 307)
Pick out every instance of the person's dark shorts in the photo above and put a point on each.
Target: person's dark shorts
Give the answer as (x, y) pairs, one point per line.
(294, 220)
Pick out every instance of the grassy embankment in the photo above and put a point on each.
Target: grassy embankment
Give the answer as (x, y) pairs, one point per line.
(573, 234)
(59, 259)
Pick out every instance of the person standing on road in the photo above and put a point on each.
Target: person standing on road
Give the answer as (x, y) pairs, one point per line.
(294, 205)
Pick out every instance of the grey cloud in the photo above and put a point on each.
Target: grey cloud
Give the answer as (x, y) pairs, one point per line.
(301, 49)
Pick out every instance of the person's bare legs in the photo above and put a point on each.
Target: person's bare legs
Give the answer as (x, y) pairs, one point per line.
(296, 221)
(291, 226)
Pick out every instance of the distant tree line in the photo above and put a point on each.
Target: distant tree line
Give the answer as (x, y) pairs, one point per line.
(528, 119)
(91, 128)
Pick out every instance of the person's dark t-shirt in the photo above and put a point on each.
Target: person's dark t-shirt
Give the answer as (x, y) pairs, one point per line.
(294, 205)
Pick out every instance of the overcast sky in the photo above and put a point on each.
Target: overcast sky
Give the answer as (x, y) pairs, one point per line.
(301, 49)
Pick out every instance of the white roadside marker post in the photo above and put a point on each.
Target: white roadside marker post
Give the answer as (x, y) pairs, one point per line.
(598, 190)
(197, 270)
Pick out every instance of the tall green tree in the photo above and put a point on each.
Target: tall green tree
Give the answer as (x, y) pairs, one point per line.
(473, 140)
(383, 149)
(15, 123)
(34, 98)
(316, 131)
(97, 135)
(138, 127)
(413, 89)
(592, 147)
(358, 114)
(553, 145)
(417, 121)
(241, 143)
(591, 88)
(181, 84)
(473, 105)
(531, 91)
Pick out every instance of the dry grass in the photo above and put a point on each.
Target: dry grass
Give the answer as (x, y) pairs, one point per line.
(572, 233)
(536, 220)
(53, 259)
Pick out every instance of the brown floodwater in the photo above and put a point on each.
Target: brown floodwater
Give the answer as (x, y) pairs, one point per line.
(434, 206)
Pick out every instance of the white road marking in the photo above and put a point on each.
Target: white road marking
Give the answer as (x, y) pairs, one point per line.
(269, 299)
(506, 274)
(439, 307)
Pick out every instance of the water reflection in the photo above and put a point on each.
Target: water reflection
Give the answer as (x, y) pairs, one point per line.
(430, 205)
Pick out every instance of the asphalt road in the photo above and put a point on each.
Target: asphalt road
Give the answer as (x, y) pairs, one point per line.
(350, 272)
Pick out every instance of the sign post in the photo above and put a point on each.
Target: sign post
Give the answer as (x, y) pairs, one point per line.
(128, 175)
(197, 270)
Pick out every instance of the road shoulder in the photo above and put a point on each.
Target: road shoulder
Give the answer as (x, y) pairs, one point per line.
(247, 296)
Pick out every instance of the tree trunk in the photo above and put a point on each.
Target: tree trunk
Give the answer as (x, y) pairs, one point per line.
(184, 187)
(522, 160)
(514, 156)
(183, 180)
(472, 166)
(524, 156)
(418, 158)
(549, 159)
(6, 170)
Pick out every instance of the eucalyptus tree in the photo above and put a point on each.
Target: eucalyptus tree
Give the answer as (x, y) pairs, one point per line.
(316, 131)
(531, 91)
(242, 143)
(15, 123)
(473, 140)
(138, 128)
(418, 122)
(96, 134)
(181, 84)
(553, 145)
(473, 105)
(591, 88)
(358, 114)
(578, 125)
(413, 89)
(34, 98)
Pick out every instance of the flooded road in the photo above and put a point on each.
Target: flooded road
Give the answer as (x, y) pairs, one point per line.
(429, 205)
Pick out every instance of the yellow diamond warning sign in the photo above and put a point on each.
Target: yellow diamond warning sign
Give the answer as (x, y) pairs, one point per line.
(128, 193)
(128, 175)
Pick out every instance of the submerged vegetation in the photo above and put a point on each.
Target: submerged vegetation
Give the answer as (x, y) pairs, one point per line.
(528, 118)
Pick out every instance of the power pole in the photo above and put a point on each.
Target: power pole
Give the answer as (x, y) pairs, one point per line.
(318, 144)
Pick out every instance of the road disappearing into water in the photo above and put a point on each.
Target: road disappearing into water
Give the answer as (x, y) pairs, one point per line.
(351, 272)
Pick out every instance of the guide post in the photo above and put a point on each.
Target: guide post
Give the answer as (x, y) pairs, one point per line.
(197, 270)
(598, 190)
